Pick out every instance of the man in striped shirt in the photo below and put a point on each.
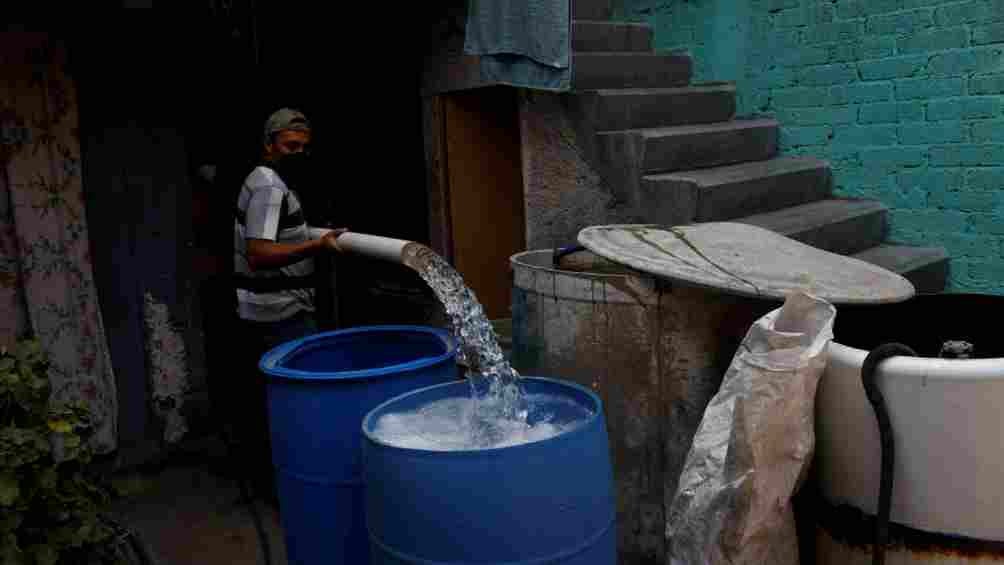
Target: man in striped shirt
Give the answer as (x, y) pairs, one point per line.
(273, 265)
(273, 243)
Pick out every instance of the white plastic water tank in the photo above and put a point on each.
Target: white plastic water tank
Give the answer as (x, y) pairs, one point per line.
(947, 417)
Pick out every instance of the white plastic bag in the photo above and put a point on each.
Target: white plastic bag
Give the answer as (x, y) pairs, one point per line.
(754, 445)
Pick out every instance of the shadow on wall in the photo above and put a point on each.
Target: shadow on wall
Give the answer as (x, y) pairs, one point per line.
(716, 33)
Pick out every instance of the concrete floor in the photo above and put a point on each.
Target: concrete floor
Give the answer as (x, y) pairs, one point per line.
(190, 513)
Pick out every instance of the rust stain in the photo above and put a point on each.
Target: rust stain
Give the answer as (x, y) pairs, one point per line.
(853, 528)
(8, 279)
(656, 358)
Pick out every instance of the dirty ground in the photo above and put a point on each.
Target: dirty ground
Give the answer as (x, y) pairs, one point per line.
(188, 510)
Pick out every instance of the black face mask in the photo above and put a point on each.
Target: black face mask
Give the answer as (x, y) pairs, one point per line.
(294, 169)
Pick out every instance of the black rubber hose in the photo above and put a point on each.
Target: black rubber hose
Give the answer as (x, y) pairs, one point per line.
(220, 296)
(248, 499)
(129, 548)
(144, 555)
(266, 549)
(868, 368)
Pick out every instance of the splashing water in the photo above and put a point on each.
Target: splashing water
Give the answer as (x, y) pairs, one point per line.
(443, 425)
(498, 399)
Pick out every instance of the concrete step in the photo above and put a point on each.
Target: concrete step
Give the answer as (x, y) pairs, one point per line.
(591, 10)
(682, 148)
(634, 108)
(733, 191)
(837, 225)
(589, 35)
(591, 71)
(925, 267)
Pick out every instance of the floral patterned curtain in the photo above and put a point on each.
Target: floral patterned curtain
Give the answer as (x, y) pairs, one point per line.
(46, 281)
(167, 367)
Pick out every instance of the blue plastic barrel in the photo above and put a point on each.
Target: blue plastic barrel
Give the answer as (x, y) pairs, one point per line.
(319, 389)
(538, 503)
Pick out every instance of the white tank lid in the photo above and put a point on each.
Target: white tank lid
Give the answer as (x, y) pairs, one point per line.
(745, 260)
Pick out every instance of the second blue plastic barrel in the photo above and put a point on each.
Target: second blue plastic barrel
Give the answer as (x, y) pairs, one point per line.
(546, 502)
(319, 389)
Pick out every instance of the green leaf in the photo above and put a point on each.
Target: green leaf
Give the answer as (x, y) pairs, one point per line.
(9, 522)
(49, 502)
(60, 426)
(86, 532)
(10, 489)
(21, 446)
(10, 554)
(48, 478)
(28, 350)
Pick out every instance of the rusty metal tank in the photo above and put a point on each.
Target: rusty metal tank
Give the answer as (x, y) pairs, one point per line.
(654, 352)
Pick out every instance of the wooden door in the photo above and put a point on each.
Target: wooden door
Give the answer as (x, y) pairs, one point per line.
(485, 185)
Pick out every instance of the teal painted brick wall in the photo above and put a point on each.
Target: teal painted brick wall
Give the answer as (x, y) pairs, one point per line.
(905, 98)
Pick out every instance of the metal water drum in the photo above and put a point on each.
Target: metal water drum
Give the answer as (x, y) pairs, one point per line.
(947, 418)
(319, 389)
(653, 352)
(652, 324)
(547, 502)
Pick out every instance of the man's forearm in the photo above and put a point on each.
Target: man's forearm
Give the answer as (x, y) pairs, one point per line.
(265, 254)
(316, 232)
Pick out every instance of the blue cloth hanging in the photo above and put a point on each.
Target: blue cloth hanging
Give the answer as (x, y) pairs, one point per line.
(523, 43)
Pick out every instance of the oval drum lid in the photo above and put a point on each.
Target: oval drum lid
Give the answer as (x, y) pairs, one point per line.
(745, 260)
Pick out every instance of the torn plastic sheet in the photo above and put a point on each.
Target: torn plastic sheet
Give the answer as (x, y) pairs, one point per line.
(754, 445)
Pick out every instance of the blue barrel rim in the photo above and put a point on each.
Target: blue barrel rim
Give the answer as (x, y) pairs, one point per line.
(584, 428)
(271, 360)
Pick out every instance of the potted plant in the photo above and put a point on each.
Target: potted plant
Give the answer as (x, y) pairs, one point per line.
(51, 497)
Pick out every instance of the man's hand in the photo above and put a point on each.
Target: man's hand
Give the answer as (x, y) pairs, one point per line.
(330, 239)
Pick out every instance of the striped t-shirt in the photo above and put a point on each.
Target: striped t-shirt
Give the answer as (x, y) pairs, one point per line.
(267, 209)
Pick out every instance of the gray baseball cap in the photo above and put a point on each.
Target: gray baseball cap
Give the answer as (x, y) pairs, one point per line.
(285, 119)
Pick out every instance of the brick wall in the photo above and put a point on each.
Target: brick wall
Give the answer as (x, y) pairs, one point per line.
(904, 97)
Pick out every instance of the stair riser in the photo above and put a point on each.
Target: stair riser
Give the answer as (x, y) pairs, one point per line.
(658, 110)
(669, 203)
(848, 236)
(929, 278)
(925, 267)
(591, 9)
(592, 71)
(762, 195)
(722, 203)
(709, 149)
(587, 36)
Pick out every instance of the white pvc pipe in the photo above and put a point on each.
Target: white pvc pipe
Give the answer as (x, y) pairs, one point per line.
(375, 246)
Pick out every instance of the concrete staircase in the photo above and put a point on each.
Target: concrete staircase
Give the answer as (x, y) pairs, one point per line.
(677, 151)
